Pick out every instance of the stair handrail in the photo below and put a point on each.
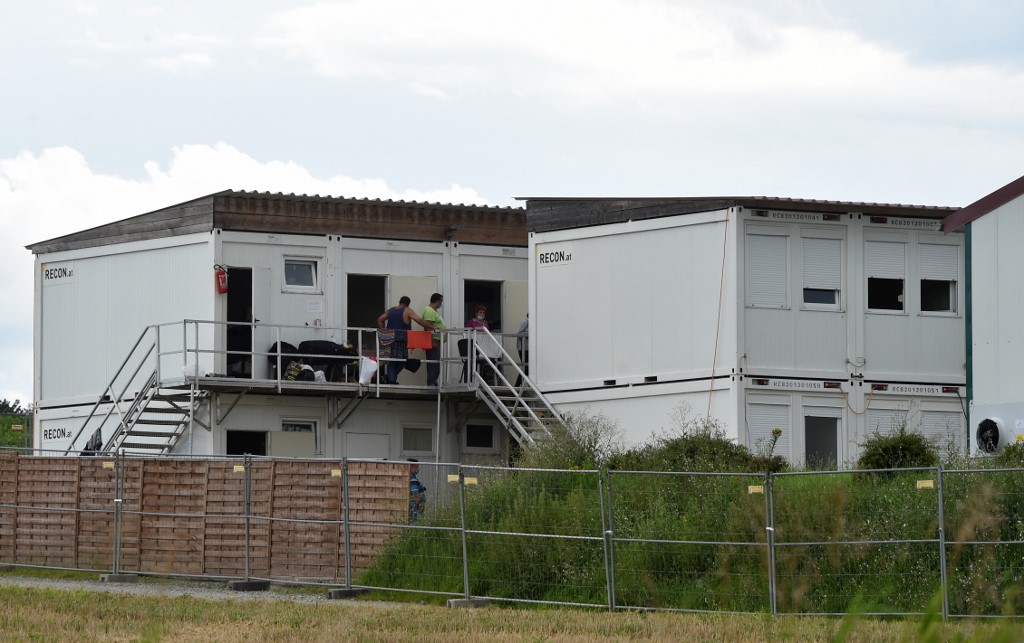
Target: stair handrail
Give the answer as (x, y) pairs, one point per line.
(527, 383)
(108, 391)
(124, 426)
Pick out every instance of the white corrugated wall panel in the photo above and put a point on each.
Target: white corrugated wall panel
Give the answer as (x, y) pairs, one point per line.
(997, 272)
(89, 324)
(629, 305)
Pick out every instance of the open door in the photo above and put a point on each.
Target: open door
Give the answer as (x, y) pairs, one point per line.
(263, 336)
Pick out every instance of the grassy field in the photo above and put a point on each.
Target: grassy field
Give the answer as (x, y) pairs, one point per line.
(54, 615)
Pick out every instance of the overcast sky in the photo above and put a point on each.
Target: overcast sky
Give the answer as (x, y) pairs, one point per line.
(114, 108)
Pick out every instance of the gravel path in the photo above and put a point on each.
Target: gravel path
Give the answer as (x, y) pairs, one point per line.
(210, 590)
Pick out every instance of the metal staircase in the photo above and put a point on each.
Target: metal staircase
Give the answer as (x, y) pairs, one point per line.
(143, 417)
(523, 409)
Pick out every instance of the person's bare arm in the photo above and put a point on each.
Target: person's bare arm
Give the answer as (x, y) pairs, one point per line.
(383, 318)
(419, 320)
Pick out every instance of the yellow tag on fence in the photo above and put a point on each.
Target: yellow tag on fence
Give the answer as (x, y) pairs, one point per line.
(239, 468)
(108, 465)
(755, 488)
(470, 480)
(925, 484)
(453, 477)
(335, 473)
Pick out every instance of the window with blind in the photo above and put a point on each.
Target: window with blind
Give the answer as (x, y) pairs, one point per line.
(938, 267)
(885, 263)
(767, 272)
(822, 272)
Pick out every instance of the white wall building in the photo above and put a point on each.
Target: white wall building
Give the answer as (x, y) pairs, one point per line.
(300, 268)
(993, 227)
(829, 320)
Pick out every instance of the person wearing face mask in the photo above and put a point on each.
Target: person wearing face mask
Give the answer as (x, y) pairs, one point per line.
(432, 315)
(486, 344)
(479, 320)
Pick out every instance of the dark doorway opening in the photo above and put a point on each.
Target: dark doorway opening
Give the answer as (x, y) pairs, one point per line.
(487, 293)
(239, 318)
(251, 442)
(366, 299)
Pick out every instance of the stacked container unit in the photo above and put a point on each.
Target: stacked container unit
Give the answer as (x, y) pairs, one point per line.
(828, 321)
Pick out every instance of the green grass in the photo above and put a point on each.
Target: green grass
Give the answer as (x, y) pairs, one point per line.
(53, 615)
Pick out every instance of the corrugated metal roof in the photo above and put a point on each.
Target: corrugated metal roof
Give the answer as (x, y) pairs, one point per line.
(556, 213)
(984, 205)
(307, 214)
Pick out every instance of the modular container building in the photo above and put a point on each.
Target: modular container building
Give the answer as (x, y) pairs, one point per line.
(993, 227)
(829, 320)
(117, 302)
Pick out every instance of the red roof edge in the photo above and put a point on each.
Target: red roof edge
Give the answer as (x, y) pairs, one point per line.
(983, 206)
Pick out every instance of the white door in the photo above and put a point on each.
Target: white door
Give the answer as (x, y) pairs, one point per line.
(263, 336)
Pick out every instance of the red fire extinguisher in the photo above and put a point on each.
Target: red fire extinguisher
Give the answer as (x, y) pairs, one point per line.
(220, 273)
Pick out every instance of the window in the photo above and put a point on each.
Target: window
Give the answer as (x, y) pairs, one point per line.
(885, 265)
(298, 426)
(939, 265)
(822, 272)
(761, 420)
(246, 442)
(300, 274)
(480, 438)
(417, 439)
(767, 271)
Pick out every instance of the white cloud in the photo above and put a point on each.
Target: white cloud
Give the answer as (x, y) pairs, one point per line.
(180, 62)
(613, 50)
(55, 192)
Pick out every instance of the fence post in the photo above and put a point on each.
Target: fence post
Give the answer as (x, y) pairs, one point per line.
(462, 521)
(345, 523)
(769, 500)
(248, 510)
(943, 572)
(118, 502)
(604, 540)
(609, 539)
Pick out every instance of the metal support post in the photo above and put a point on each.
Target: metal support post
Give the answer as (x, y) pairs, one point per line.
(943, 573)
(248, 510)
(462, 521)
(118, 503)
(769, 500)
(609, 538)
(604, 539)
(345, 522)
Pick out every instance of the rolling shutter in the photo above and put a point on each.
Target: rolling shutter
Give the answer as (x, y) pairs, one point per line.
(761, 419)
(885, 421)
(822, 260)
(941, 426)
(885, 259)
(939, 261)
(767, 270)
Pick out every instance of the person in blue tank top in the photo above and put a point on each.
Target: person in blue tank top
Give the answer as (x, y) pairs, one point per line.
(392, 325)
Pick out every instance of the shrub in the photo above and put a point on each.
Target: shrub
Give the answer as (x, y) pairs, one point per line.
(695, 444)
(899, 450)
(586, 441)
(1012, 457)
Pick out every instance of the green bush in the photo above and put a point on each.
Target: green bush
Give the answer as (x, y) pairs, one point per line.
(1012, 457)
(900, 450)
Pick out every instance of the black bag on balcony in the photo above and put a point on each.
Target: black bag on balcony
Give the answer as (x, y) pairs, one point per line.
(286, 351)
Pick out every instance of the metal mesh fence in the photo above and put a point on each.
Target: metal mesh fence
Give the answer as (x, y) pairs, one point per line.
(689, 541)
(880, 542)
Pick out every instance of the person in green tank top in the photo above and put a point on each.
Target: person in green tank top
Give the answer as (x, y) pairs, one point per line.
(432, 314)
